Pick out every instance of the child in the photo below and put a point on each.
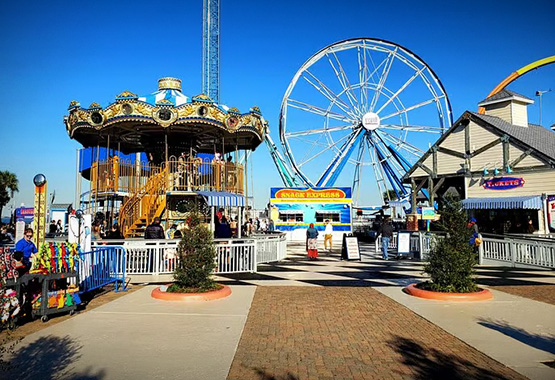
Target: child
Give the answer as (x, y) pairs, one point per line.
(19, 266)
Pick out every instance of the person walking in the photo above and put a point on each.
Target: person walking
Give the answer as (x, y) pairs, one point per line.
(311, 242)
(328, 234)
(386, 231)
(154, 230)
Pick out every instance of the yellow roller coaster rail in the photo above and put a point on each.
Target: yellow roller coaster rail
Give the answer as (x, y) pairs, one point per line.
(505, 82)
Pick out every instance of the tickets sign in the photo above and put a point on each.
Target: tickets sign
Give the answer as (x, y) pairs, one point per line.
(310, 194)
(503, 183)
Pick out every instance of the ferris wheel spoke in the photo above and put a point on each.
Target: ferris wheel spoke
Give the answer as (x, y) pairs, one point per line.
(401, 89)
(378, 170)
(335, 167)
(411, 108)
(412, 128)
(383, 78)
(329, 94)
(324, 150)
(318, 110)
(396, 141)
(344, 82)
(317, 131)
(358, 170)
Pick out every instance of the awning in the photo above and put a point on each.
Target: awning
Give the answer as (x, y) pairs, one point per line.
(222, 199)
(533, 202)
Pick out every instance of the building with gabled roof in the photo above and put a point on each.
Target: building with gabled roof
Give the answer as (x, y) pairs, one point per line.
(501, 166)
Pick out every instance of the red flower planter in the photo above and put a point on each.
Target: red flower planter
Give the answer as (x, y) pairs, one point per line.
(441, 296)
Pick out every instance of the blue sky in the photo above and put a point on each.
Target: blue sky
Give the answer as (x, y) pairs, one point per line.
(54, 52)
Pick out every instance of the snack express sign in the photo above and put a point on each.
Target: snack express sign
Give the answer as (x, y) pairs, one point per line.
(503, 183)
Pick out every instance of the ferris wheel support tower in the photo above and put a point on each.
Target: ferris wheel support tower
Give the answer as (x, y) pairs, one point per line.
(211, 49)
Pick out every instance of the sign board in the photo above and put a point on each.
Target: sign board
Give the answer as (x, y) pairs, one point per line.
(503, 183)
(428, 213)
(350, 249)
(551, 212)
(80, 231)
(19, 230)
(403, 243)
(39, 221)
(24, 214)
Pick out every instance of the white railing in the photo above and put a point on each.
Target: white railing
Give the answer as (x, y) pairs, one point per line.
(155, 257)
(420, 242)
(518, 251)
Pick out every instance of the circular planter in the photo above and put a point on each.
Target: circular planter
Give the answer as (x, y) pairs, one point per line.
(440, 296)
(186, 297)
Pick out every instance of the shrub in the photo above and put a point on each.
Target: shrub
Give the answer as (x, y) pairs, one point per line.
(196, 252)
(452, 259)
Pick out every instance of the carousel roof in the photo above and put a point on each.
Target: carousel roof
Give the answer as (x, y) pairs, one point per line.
(141, 123)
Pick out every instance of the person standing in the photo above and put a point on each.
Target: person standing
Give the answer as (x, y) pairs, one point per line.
(154, 230)
(328, 234)
(386, 231)
(26, 246)
(311, 242)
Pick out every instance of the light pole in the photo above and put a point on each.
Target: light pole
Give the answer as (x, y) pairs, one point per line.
(540, 94)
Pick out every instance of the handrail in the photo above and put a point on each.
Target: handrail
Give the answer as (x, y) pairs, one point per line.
(145, 203)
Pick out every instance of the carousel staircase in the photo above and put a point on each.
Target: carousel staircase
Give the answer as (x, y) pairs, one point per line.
(139, 210)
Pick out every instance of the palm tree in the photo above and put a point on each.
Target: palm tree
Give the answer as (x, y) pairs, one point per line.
(8, 186)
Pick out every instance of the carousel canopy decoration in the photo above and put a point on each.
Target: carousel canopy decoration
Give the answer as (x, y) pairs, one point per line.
(139, 123)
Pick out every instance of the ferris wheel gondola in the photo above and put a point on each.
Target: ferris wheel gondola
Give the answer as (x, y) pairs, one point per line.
(362, 103)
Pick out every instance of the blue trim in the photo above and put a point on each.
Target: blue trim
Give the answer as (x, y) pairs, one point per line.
(222, 198)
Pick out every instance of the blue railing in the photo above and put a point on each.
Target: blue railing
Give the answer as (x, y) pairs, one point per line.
(102, 266)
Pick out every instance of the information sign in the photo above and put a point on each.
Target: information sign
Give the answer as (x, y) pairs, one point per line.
(350, 249)
(403, 243)
(428, 213)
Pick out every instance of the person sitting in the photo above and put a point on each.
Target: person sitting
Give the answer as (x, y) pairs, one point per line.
(114, 232)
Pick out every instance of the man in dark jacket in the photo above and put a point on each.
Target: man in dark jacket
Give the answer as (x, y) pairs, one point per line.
(386, 231)
(155, 230)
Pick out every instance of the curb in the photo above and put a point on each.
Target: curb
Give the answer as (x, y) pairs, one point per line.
(186, 297)
(440, 296)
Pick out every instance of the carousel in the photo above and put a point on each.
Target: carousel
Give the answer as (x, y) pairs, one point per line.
(196, 151)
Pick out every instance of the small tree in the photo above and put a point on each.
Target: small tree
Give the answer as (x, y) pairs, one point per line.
(196, 253)
(452, 258)
(8, 186)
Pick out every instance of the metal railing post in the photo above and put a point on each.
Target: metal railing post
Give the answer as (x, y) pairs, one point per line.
(481, 251)
(512, 245)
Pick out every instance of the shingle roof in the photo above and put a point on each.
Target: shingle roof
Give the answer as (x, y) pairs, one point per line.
(504, 94)
(535, 136)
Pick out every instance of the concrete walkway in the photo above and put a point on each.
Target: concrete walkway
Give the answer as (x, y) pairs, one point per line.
(137, 337)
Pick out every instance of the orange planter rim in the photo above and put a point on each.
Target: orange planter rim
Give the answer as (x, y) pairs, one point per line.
(482, 295)
(186, 297)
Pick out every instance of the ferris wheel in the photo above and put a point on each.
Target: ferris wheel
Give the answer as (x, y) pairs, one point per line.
(360, 113)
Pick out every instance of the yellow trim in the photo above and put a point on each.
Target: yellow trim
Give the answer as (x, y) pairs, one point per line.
(285, 200)
(535, 65)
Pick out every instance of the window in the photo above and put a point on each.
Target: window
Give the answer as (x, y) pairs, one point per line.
(332, 216)
(291, 216)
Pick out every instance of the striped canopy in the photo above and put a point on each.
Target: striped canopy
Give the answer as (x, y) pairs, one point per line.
(222, 198)
(174, 96)
(532, 202)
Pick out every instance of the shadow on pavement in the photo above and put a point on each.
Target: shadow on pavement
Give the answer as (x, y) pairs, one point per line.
(48, 358)
(266, 376)
(429, 363)
(544, 343)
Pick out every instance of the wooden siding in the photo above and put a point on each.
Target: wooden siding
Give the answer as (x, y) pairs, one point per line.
(519, 114)
(480, 136)
(535, 184)
(501, 110)
(455, 140)
(529, 161)
(447, 164)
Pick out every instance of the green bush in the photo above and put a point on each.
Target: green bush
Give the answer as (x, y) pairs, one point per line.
(197, 254)
(452, 259)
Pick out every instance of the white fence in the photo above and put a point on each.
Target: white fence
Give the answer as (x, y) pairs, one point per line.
(509, 250)
(156, 257)
(518, 251)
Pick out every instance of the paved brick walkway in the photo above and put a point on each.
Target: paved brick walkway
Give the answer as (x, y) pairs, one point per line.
(543, 293)
(349, 333)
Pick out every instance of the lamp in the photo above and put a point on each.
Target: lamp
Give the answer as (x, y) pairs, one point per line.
(495, 171)
(486, 171)
(509, 170)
